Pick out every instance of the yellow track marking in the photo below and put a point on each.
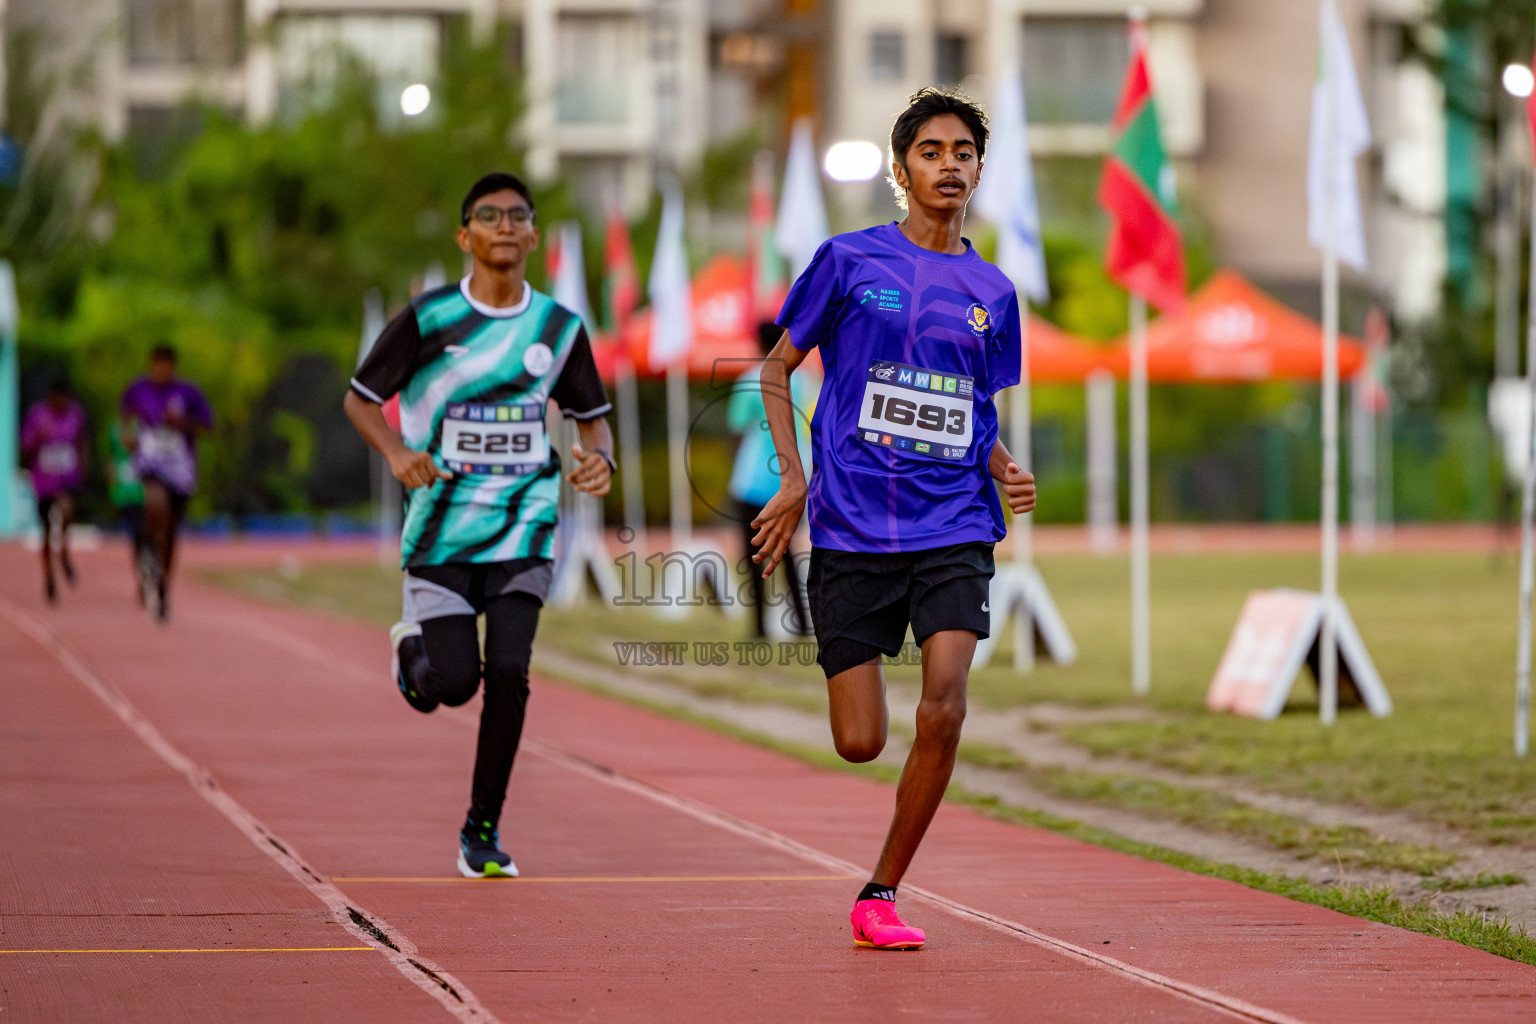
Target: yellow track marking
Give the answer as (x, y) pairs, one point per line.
(625, 878)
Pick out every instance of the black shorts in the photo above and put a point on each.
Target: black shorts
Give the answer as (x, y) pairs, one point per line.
(465, 588)
(862, 602)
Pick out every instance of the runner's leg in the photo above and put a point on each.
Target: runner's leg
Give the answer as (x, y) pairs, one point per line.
(45, 514)
(158, 518)
(856, 697)
(65, 505)
(940, 713)
(510, 623)
(452, 669)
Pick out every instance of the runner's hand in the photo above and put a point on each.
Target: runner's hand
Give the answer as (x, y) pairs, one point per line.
(416, 469)
(1020, 488)
(776, 525)
(591, 475)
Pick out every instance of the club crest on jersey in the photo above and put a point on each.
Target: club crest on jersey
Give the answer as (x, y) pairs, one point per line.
(538, 359)
(978, 318)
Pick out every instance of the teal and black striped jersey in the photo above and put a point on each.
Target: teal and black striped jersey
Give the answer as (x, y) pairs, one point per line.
(473, 381)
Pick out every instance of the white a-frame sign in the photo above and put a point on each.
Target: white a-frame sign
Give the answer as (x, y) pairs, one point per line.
(1019, 594)
(1278, 632)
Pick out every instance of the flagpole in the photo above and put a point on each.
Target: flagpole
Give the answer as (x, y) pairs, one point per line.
(1527, 514)
(677, 455)
(1328, 657)
(627, 399)
(1020, 442)
(1141, 594)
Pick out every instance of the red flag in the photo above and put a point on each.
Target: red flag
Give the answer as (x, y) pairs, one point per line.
(621, 282)
(1145, 254)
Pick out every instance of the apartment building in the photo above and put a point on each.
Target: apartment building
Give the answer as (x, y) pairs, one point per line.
(620, 90)
(1233, 80)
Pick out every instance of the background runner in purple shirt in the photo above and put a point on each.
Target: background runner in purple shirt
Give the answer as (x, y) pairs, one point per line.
(53, 450)
(163, 413)
(166, 411)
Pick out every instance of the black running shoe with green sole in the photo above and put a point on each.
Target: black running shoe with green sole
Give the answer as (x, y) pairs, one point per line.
(479, 854)
(407, 652)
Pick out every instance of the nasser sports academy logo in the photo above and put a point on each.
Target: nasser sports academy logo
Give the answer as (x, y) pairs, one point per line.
(978, 318)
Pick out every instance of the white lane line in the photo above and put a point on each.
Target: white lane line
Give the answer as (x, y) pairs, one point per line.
(1208, 998)
(369, 927)
(1236, 1008)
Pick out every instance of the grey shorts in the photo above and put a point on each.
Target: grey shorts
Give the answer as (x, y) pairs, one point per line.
(464, 588)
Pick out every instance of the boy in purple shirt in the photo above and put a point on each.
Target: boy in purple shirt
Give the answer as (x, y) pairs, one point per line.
(53, 450)
(162, 414)
(917, 335)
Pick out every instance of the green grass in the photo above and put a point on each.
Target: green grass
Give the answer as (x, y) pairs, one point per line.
(1344, 845)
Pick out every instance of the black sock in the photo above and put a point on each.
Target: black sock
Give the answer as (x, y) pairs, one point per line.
(876, 891)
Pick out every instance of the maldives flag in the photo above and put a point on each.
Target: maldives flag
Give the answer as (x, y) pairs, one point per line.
(621, 282)
(1145, 254)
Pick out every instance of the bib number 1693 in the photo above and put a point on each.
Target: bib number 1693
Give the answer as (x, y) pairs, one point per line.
(903, 412)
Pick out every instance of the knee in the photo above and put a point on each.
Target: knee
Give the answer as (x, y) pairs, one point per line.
(506, 679)
(858, 748)
(939, 719)
(454, 688)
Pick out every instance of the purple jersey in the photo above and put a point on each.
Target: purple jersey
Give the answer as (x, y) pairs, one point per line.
(915, 344)
(53, 448)
(167, 416)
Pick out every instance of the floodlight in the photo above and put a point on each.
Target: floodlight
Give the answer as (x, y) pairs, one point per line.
(414, 99)
(852, 161)
(1518, 80)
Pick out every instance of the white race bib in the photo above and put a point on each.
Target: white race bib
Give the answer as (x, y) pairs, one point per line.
(917, 411)
(499, 440)
(162, 445)
(57, 458)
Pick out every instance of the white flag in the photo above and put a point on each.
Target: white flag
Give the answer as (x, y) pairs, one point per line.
(801, 226)
(570, 285)
(1336, 92)
(669, 289)
(1006, 196)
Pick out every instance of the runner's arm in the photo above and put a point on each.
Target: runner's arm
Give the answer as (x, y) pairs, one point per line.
(1018, 485)
(594, 457)
(410, 467)
(778, 520)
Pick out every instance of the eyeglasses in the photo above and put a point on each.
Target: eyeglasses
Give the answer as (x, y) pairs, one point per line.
(491, 216)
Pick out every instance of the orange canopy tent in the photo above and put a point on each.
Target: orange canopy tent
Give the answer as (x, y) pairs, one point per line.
(1056, 357)
(1231, 332)
(724, 328)
(725, 335)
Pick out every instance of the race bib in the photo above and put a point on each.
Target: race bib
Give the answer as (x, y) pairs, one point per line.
(162, 446)
(57, 458)
(500, 440)
(917, 411)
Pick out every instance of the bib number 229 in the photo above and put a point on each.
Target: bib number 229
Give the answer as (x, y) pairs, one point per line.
(903, 412)
(473, 442)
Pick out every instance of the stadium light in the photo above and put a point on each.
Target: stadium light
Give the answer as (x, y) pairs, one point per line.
(414, 99)
(853, 161)
(1518, 80)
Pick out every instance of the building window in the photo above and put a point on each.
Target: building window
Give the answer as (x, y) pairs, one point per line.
(597, 56)
(314, 52)
(887, 56)
(202, 33)
(1073, 68)
(949, 65)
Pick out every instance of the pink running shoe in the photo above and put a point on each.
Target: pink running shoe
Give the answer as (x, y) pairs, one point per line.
(876, 925)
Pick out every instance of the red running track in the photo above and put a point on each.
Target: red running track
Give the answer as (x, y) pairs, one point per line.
(229, 817)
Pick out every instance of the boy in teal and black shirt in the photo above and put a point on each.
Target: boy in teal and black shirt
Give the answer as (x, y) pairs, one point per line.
(474, 365)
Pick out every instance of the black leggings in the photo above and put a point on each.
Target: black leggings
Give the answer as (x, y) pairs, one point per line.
(453, 652)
